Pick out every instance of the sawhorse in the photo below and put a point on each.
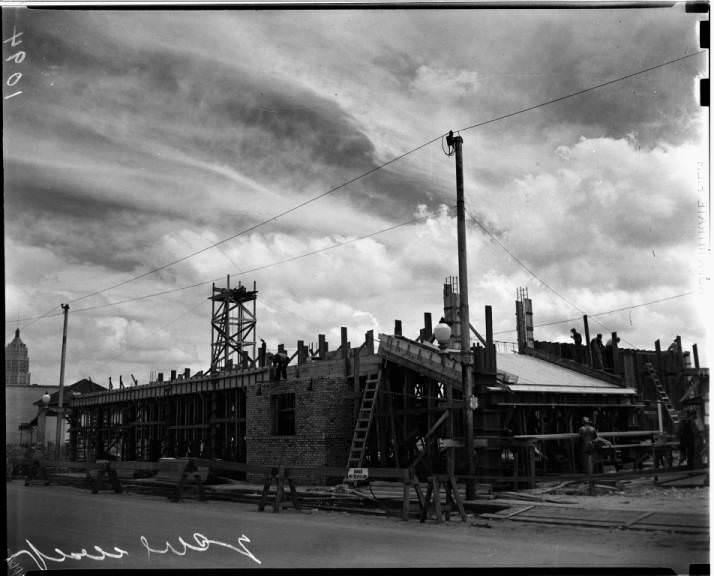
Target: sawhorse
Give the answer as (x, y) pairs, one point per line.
(280, 475)
(451, 490)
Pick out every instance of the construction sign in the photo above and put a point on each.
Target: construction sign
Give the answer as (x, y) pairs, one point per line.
(357, 473)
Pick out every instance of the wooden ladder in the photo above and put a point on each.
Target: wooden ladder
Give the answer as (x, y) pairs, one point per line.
(364, 420)
(662, 393)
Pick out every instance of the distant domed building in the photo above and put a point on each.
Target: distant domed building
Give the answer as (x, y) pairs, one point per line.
(17, 363)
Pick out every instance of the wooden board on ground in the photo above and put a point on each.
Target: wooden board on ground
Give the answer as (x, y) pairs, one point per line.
(632, 519)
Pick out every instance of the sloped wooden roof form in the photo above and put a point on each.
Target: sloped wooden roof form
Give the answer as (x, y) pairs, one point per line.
(422, 358)
(520, 373)
(536, 375)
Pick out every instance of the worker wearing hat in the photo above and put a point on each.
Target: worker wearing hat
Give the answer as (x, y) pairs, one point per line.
(587, 434)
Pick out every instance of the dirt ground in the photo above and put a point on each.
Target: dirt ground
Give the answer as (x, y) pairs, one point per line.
(70, 519)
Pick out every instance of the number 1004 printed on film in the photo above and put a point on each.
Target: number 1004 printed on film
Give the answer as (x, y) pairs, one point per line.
(15, 59)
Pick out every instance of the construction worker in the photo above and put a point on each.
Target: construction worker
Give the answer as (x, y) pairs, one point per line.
(578, 339)
(597, 349)
(284, 361)
(587, 434)
(280, 362)
(609, 356)
(674, 346)
(688, 436)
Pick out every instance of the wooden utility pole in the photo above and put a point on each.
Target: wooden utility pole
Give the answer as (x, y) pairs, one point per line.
(466, 379)
(60, 395)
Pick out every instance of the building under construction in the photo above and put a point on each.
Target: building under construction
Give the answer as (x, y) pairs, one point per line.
(389, 401)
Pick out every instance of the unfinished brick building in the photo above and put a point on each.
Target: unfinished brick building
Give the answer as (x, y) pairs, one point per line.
(399, 404)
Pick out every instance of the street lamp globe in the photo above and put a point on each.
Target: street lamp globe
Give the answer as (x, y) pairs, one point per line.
(442, 333)
(46, 399)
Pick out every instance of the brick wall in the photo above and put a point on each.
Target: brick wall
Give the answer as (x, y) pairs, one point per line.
(324, 408)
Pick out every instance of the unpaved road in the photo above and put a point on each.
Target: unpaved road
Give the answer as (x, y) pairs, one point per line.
(70, 520)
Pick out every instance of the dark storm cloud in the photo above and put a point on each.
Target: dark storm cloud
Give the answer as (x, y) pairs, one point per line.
(75, 227)
(258, 124)
(132, 118)
(654, 103)
(542, 55)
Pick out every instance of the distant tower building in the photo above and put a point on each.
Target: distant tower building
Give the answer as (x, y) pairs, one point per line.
(17, 363)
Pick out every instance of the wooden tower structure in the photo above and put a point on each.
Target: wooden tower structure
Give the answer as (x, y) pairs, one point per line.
(233, 327)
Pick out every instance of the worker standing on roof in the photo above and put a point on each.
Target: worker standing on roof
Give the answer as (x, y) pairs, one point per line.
(597, 348)
(609, 355)
(587, 435)
(281, 362)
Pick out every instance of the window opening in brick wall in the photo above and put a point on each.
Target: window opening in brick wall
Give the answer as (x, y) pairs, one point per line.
(282, 408)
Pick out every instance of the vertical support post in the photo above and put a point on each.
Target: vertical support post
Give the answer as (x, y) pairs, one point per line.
(466, 380)
(226, 324)
(369, 341)
(427, 327)
(255, 335)
(345, 347)
(436, 492)
(660, 368)
(214, 368)
(406, 483)
(430, 401)
(355, 371)
(213, 434)
(531, 466)
(60, 395)
(405, 392)
(321, 346)
(262, 354)
(491, 352)
(695, 353)
(588, 350)
(615, 354)
(658, 354)
(679, 353)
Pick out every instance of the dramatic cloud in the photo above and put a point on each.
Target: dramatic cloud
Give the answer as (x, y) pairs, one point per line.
(143, 137)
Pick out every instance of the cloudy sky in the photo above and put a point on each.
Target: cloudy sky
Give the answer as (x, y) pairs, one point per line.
(141, 138)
